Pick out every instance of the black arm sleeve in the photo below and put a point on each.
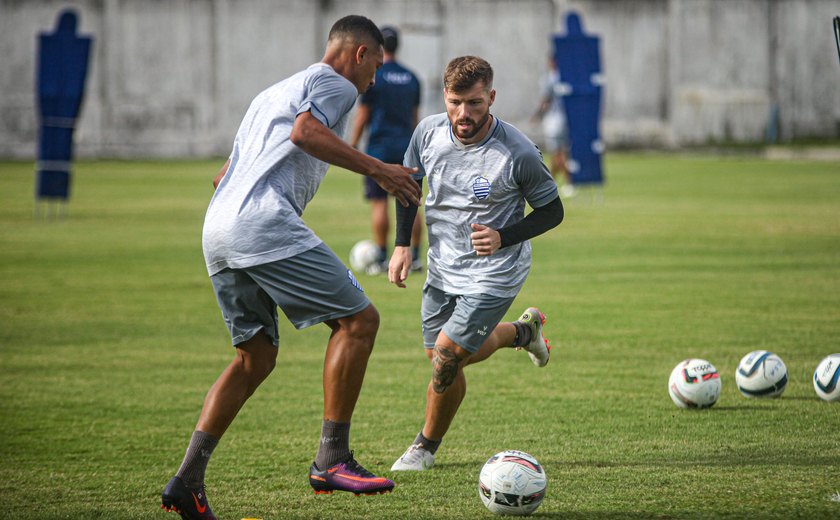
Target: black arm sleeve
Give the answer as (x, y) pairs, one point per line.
(405, 220)
(535, 223)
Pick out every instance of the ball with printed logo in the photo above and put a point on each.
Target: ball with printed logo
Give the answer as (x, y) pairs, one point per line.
(761, 374)
(512, 483)
(827, 378)
(694, 383)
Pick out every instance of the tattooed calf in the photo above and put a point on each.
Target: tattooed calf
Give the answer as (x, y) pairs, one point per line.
(445, 369)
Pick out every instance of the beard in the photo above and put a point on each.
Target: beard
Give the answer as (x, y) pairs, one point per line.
(471, 132)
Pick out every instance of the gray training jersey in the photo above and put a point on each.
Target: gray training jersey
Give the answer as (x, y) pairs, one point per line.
(484, 183)
(255, 214)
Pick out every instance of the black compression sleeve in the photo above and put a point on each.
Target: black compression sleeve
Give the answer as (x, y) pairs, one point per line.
(405, 221)
(535, 223)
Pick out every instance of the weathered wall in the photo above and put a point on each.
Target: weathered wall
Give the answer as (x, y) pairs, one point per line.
(172, 78)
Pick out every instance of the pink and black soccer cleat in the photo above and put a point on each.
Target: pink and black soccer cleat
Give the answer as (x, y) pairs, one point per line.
(348, 476)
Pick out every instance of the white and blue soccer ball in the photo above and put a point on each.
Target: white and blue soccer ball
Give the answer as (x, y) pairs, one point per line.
(761, 374)
(694, 383)
(364, 254)
(827, 378)
(512, 483)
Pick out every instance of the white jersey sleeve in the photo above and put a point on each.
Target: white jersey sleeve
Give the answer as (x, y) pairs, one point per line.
(329, 97)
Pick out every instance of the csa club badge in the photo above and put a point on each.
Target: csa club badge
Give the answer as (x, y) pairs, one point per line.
(481, 188)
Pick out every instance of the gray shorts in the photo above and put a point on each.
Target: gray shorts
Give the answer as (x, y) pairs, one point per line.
(310, 288)
(468, 319)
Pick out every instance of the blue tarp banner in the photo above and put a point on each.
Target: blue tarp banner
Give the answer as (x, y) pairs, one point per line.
(578, 60)
(62, 68)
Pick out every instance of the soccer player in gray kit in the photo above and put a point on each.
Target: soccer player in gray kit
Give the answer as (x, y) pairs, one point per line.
(481, 172)
(261, 255)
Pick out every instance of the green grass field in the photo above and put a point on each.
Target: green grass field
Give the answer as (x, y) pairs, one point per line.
(110, 336)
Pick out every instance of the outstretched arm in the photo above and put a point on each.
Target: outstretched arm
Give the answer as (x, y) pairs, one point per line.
(311, 136)
(542, 108)
(400, 264)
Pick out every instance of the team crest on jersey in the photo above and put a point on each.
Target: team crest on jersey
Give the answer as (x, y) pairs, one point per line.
(354, 281)
(481, 188)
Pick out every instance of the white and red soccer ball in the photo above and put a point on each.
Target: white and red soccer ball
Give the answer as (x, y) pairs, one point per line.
(694, 383)
(512, 483)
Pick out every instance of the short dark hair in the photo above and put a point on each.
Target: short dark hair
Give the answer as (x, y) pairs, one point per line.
(463, 72)
(356, 26)
(392, 39)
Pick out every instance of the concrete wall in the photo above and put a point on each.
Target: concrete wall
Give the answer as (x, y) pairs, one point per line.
(172, 78)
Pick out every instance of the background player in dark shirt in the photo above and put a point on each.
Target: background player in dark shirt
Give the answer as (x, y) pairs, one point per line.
(389, 110)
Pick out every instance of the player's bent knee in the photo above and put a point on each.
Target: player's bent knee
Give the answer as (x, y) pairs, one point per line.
(365, 322)
(257, 368)
(445, 365)
(360, 328)
(257, 357)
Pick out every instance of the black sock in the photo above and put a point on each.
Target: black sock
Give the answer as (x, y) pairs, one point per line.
(415, 253)
(523, 334)
(196, 459)
(383, 254)
(335, 444)
(427, 444)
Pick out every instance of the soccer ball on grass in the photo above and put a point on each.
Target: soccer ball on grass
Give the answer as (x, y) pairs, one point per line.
(512, 483)
(694, 383)
(827, 378)
(364, 254)
(761, 374)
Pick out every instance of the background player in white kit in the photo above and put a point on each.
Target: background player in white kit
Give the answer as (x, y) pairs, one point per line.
(261, 255)
(555, 127)
(481, 172)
